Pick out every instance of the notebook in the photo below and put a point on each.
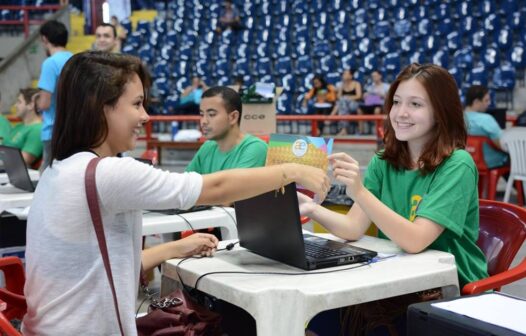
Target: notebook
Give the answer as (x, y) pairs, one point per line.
(269, 225)
(16, 169)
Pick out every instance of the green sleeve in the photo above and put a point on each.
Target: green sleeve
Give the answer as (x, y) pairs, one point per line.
(33, 144)
(373, 176)
(455, 183)
(5, 127)
(196, 164)
(254, 155)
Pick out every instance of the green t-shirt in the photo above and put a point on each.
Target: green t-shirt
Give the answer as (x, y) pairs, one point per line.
(26, 138)
(448, 196)
(5, 127)
(250, 152)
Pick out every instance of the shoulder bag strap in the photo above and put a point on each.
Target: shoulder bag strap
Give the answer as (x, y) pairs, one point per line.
(94, 209)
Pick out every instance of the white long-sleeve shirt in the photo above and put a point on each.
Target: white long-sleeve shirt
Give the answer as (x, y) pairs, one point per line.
(67, 289)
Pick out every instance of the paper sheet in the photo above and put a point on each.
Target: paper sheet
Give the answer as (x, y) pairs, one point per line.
(495, 309)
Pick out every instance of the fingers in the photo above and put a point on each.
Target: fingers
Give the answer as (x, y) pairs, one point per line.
(341, 157)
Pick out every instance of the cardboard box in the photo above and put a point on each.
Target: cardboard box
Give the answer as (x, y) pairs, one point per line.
(260, 119)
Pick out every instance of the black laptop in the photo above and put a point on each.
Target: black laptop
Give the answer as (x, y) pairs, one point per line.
(16, 169)
(269, 225)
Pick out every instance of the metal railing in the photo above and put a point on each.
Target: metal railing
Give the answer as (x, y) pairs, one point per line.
(25, 19)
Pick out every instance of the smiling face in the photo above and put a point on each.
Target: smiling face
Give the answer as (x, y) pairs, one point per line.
(412, 115)
(126, 118)
(215, 121)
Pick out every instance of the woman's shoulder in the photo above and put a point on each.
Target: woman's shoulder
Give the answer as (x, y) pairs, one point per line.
(460, 157)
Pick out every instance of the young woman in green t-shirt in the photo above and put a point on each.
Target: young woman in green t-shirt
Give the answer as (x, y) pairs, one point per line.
(421, 190)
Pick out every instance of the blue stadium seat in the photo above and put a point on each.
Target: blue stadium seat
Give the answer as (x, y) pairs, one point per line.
(444, 27)
(180, 69)
(491, 57)
(458, 75)
(418, 57)
(381, 29)
(242, 67)
(289, 83)
(333, 78)
(492, 24)
(408, 44)
(401, 13)
(360, 16)
(202, 67)
(343, 47)
(454, 41)
(303, 65)
(420, 13)
(507, 6)
(284, 103)
(222, 67)
(505, 39)
(462, 9)
(478, 41)
(349, 61)
(365, 46)
(370, 62)
(327, 64)
(281, 49)
(402, 28)
(517, 56)
(463, 58)
(424, 27)
(517, 20)
(263, 66)
(161, 69)
(162, 86)
(504, 77)
(301, 49)
(477, 76)
(381, 14)
(392, 65)
(468, 26)
(441, 57)
(321, 49)
(360, 31)
(386, 46)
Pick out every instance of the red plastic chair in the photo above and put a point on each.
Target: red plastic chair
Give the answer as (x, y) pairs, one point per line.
(488, 178)
(502, 233)
(12, 301)
(152, 155)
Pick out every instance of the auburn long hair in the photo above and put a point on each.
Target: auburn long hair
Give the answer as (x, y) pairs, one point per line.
(449, 132)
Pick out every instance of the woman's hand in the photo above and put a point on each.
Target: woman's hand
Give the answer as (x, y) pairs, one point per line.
(306, 204)
(347, 170)
(313, 179)
(199, 243)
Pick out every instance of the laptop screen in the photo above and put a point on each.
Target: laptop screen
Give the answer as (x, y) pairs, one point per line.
(15, 168)
(269, 225)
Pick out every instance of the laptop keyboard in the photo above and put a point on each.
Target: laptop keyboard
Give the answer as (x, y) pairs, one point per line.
(314, 250)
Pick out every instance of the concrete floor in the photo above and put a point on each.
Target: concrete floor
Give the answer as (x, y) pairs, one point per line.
(361, 152)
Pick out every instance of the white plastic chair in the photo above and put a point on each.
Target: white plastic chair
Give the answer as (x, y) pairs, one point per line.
(514, 139)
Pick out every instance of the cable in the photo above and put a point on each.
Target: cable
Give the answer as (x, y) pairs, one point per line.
(229, 215)
(282, 273)
(187, 222)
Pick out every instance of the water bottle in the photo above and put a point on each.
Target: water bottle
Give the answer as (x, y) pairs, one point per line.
(175, 129)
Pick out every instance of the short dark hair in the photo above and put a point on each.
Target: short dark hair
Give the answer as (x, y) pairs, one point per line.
(231, 99)
(475, 92)
(113, 29)
(28, 94)
(89, 81)
(55, 32)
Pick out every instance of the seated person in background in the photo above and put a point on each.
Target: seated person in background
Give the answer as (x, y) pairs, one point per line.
(5, 125)
(121, 33)
(191, 97)
(349, 92)
(481, 123)
(26, 135)
(229, 18)
(320, 99)
(227, 147)
(421, 191)
(106, 38)
(373, 97)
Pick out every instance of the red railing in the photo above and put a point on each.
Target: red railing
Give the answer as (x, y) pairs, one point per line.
(313, 119)
(25, 20)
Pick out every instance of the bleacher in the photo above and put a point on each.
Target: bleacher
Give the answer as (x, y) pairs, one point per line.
(285, 42)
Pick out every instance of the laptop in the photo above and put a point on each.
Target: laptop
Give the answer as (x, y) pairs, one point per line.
(269, 225)
(16, 169)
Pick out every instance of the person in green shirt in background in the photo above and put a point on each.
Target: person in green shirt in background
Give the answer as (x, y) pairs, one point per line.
(227, 147)
(26, 135)
(421, 191)
(5, 125)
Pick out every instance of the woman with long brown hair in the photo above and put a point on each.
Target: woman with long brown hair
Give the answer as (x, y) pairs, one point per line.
(421, 191)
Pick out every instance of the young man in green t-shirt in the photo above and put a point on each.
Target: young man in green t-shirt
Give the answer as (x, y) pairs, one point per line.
(26, 135)
(5, 125)
(227, 147)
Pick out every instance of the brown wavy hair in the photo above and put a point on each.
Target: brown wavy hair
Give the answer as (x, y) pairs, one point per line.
(449, 132)
(89, 81)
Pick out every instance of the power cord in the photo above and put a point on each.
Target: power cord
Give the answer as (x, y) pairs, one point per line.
(229, 215)
(282, 273)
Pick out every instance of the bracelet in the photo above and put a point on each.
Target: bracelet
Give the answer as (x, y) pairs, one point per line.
(283, 181)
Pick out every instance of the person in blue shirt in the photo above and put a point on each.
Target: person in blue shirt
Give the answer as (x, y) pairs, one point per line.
(54, 37)
(481, 123)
